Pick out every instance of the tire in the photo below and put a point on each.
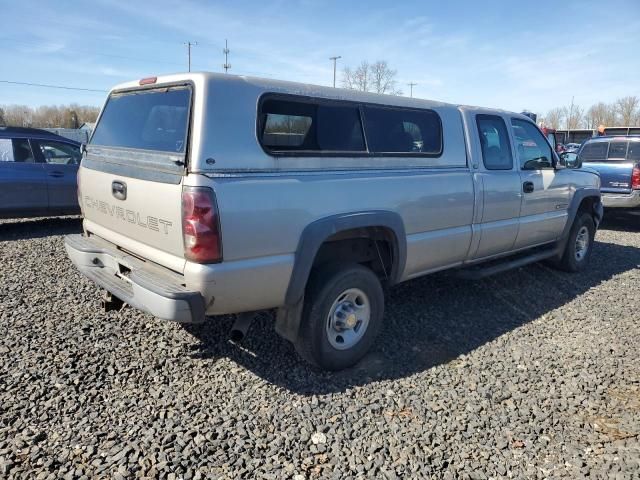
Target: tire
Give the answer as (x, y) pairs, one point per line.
(572, 259)
(335, 330)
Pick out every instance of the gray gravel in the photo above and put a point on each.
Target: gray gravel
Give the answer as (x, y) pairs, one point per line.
(530, 374)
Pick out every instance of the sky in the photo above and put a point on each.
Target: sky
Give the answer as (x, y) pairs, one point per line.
(533, 55)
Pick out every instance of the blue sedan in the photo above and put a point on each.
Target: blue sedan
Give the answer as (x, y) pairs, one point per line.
(37, 173)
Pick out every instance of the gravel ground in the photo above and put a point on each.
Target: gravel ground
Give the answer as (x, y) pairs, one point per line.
(529, 374)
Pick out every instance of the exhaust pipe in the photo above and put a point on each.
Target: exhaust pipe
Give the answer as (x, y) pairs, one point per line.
(111, 302)
(240, 326)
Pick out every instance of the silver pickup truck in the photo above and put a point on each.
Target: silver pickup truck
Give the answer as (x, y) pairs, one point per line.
(206, 194)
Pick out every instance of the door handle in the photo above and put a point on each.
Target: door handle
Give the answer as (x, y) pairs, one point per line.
(527, 187)
(56, 174)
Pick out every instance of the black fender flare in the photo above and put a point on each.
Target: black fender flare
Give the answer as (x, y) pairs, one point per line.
(314, 235)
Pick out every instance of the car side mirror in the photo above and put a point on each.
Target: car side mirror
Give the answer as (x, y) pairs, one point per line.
(557, 162)
(571, 160)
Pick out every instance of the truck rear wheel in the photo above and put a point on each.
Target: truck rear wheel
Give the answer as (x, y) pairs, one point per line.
(579, 244)
(342, 315)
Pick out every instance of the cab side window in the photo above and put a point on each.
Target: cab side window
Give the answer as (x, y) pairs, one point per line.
(494, 140)
(534, 152)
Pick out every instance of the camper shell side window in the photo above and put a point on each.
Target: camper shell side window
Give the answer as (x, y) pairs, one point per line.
(292, 125)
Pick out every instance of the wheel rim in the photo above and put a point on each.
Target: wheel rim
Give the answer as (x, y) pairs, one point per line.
(582, 243)
(348, 319)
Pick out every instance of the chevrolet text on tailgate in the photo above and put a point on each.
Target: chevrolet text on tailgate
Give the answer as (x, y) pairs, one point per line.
(207, 194)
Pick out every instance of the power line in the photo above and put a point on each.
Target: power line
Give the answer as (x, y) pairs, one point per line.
(28, 84)
(226, 52)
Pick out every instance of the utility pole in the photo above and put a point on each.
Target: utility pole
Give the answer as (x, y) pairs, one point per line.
(411, 85)
(570, 117)
(334, 68)
(189, 45)
(226, 51)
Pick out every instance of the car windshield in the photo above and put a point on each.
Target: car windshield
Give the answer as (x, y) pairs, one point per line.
(145, 119)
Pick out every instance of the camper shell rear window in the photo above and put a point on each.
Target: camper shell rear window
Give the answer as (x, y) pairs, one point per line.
(154, 119)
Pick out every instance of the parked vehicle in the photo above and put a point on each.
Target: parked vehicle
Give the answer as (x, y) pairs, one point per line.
(571, 147)
(37, 173)
(208, 194)
(617, 160)
(550, 133)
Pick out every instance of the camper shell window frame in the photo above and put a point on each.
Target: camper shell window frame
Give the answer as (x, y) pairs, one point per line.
(162, 86)
(261, 122)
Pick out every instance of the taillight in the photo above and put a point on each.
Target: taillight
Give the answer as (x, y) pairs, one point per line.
(148, 81)
(200, 225)
(635, 178)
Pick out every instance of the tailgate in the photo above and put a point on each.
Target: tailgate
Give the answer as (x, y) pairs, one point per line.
(150, 213)
(615, 177)
(130, 180)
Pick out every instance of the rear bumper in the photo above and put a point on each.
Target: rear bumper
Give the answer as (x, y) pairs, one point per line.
(135, 282)
(621, 200)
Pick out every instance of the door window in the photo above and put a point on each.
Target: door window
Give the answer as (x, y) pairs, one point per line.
(22, 151)
(59, 153)
(533, 150)
(494, 140)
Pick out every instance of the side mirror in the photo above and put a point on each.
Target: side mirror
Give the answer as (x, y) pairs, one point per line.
(558, 162)
(571, 159)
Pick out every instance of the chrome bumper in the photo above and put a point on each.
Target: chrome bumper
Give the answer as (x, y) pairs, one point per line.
(621, 200)
(133, 281)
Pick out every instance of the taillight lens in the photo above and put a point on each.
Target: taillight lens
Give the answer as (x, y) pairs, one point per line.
(635, 178)
(200, 225)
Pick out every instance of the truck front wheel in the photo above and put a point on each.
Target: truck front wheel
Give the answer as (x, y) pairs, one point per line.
(579, 244)
(342, 316)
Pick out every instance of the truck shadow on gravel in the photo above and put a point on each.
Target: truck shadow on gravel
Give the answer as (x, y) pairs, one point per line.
(25, 229)
(428, 322)
(621, 221)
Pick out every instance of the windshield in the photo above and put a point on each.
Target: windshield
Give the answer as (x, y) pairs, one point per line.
(146, 119)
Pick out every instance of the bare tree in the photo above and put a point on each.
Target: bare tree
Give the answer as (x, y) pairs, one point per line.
(628, 109)
(49, 116)
(553, 118)
(2, 121)
(573, 115)
(376, 77)
(357, 79)
(383, 78)
(600, 114)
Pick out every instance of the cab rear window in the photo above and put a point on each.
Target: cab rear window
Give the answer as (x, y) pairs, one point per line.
(594, 152)
(617, 151)
(146, 119)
